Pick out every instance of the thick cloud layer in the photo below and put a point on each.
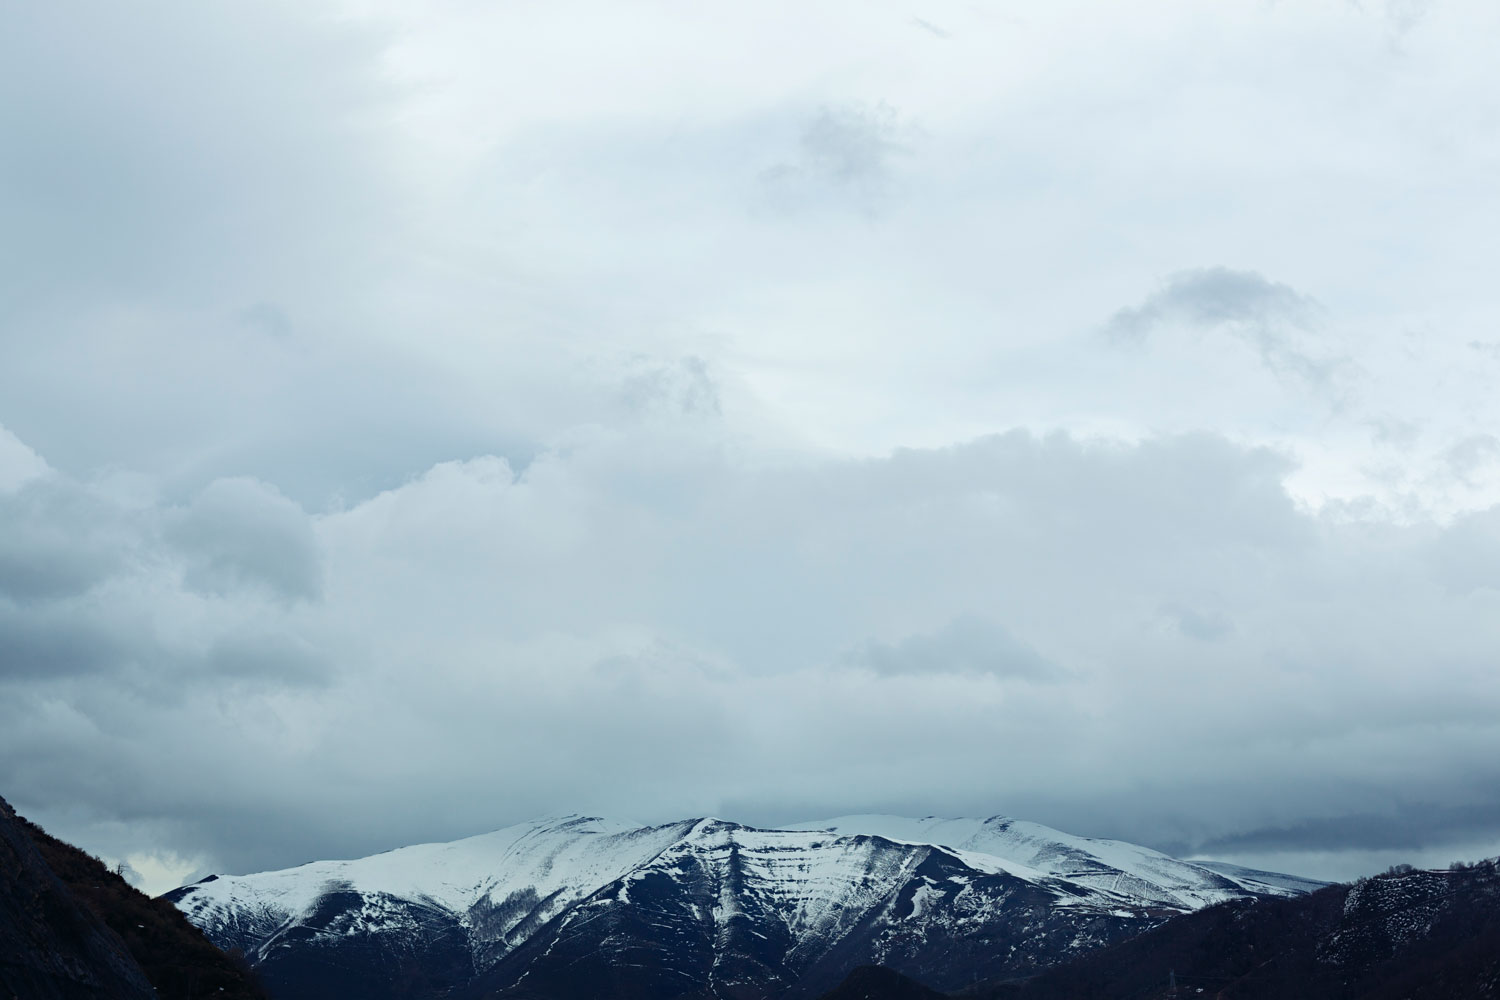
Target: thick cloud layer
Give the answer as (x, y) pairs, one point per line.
(417, 421)
(1147, 640)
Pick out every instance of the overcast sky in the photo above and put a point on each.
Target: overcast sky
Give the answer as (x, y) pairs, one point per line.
(416, 419)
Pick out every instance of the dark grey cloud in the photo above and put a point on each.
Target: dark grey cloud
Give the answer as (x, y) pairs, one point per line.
(241, 532)
(54, 643)
(29, 572)
(1269, 317)
(100, 586)
(1410, 826)
(56, 541)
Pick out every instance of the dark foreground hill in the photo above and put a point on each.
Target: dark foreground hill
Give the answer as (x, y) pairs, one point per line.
(70, 929)
(1405, 935)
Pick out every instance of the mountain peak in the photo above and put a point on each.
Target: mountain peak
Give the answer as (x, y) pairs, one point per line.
(768, 907)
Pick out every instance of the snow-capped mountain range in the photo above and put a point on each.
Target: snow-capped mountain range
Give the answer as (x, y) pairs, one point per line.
(581, 906)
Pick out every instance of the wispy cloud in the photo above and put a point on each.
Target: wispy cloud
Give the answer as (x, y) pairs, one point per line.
(1271, 318)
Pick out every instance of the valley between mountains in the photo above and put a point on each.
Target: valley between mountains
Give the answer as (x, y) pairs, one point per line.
(577, 906)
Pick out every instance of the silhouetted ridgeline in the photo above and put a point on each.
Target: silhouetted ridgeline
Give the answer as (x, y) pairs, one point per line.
(71, 929)
(1404, 935)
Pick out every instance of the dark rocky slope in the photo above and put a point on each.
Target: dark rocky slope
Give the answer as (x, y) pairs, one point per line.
(71, 928)
(1419, 935)
(1404, 935)
(52, 947)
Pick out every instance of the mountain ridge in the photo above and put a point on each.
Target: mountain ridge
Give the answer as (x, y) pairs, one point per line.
(704, 907)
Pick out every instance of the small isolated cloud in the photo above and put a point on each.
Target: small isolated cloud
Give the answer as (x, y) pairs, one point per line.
(851, 145)
(1394, 432)
(967, 645)
(681, 388)
(1469, 459)
(242, 533)
(1269, 317)
(844, 153)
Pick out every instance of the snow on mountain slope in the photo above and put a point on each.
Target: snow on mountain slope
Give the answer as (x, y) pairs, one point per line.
(758, 912)
(547, 905)
(1268, 883)
(1104, 865)
(810, 884)
(749, 908)
(547, 863)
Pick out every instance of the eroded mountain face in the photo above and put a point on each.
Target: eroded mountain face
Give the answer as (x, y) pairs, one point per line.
(583, 907)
